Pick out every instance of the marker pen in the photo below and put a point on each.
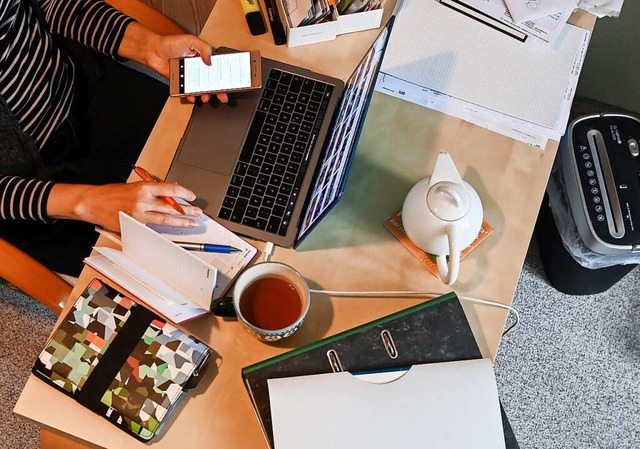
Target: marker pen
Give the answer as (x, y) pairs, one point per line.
(253, 14)
(277, 29)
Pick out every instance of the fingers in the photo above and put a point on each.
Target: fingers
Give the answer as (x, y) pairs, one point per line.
(205, 98)
(158, 218)
(158, 189)
(190, 54)
(192, 211)
(157, 211)
(202, 48)
(163, 207)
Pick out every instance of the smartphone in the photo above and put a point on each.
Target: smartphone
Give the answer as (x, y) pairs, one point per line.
(228, 72)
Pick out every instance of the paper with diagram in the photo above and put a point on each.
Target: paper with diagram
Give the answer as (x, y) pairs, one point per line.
(544, 30)
(522, 10)
(485, 68)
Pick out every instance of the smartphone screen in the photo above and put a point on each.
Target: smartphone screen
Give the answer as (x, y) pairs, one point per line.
(226, 72)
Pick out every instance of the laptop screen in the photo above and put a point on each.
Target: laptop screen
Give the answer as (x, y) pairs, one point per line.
(332, 169)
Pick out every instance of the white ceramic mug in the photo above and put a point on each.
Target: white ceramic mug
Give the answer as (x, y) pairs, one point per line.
(271, 270)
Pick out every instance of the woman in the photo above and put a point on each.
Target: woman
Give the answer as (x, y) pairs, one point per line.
(74, 120)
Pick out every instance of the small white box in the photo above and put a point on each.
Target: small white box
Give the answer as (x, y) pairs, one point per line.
(328, 31)
(348, 23)
(311, 34)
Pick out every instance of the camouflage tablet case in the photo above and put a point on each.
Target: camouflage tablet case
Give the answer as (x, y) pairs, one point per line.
(121, 360)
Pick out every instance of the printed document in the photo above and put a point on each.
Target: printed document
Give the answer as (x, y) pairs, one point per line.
(437, 48)
(522, 10)
(521, 130)
(545, 29)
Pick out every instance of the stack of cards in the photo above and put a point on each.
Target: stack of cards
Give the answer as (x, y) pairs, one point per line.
(308, 12)
(355, 6)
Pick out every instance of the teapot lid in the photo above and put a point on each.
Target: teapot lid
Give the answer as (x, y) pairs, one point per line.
(449, 201)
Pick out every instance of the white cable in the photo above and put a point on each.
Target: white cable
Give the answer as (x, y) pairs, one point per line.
(269, 248)
(401, 293)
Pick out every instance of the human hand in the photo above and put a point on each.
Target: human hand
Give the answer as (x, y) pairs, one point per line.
(141, 200)
(143, 45)
(181, 46)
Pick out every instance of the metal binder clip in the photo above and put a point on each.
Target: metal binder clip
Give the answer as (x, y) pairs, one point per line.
(334, 361)
(389, 344)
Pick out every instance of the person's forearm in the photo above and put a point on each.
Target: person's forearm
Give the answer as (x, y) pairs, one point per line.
(101, 204)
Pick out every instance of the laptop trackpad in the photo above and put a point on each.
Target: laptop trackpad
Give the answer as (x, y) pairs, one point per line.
(216, 132)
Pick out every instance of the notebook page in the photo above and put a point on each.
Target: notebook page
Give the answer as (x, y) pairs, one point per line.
(441, 49)
(208, 230)
(175, 266)
(144, 285)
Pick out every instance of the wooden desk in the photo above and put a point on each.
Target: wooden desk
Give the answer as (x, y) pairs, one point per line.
(350, 249)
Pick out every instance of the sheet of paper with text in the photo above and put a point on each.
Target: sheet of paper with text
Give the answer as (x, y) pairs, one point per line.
(441, 49)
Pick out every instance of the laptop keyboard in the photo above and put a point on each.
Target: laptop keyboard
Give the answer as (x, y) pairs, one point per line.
(266, 181)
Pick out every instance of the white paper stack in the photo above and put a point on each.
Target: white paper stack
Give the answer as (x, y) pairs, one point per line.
(602, 8)
(440, 58)
(522, 10)
(542, 30)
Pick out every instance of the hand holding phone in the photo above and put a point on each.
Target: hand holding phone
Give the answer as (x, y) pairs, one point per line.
(230, 72)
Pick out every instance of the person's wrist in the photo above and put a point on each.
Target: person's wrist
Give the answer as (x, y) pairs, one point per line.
(152, 51)
(81, 206)
(140, 44)
(69, 201)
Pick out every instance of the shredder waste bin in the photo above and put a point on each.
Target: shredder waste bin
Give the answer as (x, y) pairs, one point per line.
(588, 228)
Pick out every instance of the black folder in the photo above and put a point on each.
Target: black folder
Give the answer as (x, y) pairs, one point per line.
(430, 332)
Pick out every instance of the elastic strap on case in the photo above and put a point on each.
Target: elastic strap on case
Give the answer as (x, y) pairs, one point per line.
(112, 360)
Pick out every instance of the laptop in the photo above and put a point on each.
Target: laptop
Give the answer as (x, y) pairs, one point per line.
(271, 165)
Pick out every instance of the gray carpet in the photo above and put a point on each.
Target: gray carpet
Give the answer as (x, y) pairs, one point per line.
(568, 375)
(24, 328)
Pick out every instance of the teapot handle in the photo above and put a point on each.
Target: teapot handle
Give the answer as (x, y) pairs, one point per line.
(455, 196)
(449, 273)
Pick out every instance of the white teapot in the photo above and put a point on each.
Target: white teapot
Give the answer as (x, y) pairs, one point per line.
(442, 215)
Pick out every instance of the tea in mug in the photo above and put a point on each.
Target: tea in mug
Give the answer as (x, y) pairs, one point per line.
(271, 303)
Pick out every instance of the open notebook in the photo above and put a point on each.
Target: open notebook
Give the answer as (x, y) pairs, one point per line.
(178, 284)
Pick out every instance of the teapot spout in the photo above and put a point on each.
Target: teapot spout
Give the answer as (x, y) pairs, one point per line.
(445, 170)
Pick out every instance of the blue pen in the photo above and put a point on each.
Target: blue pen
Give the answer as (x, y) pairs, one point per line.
(208, 247)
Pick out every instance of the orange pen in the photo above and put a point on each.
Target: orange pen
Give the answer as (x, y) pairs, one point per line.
(145, 176)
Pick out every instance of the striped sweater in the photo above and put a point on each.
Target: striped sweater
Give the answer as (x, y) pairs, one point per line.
(36, 78)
